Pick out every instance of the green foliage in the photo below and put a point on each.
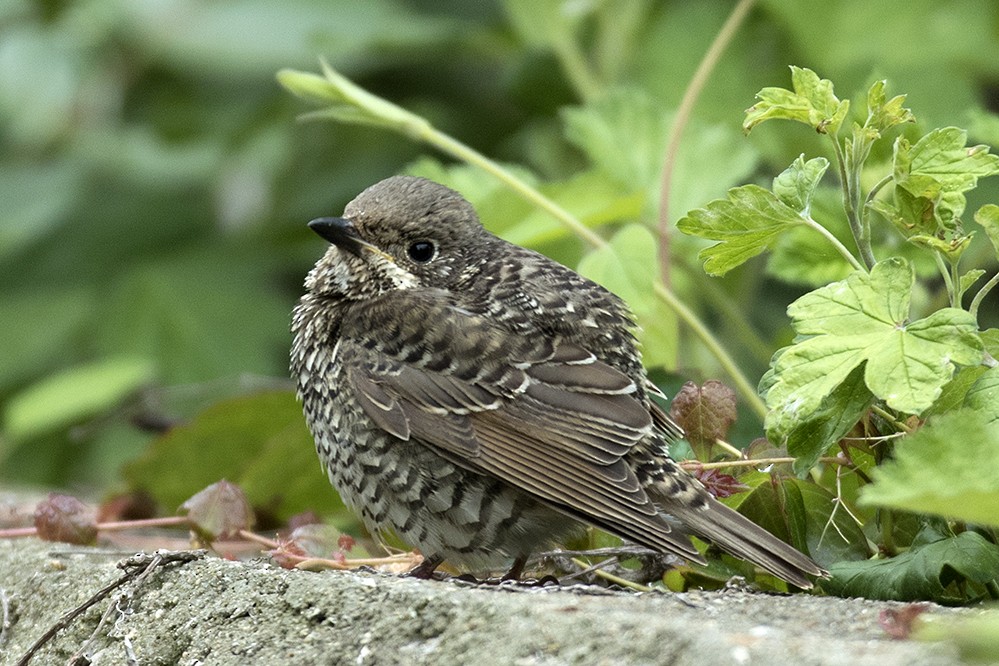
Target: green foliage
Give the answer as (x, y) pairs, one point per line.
(950, 467)
(860, 352)
(74, 394)
(258, 442)
(866, 319)
(948, 570)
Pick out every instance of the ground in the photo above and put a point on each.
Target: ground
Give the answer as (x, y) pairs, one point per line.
(213, 611)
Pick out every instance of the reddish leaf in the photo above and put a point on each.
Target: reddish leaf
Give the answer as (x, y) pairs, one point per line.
(304, 518)
(705, 412)
(719, 484)
(65, 518)
(898, 622)
(219, 511)
(345, 542)
(287, 554)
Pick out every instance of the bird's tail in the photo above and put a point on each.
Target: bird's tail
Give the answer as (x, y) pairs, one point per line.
(743, 538)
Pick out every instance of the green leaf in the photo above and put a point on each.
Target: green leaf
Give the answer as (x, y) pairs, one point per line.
(865, 318)
(802, 256)
(812, 102)
(988, 217)
(796, 185)
(838, 412)
(162, 310)
(883, 113)
(983, 396)
(801, 513)
(748, 222)
(73, 395)
(970, 278)
(949, 467)
(260, 442)
(626, 266)
(940, 167)
(949, 570)
(347, 102)
(955, 391)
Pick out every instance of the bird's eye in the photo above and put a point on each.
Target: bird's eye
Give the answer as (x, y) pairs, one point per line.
(422, 251)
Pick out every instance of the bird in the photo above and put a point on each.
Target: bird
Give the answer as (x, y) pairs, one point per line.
(483, 401)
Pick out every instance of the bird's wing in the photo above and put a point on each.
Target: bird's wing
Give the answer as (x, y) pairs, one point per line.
(539, 413)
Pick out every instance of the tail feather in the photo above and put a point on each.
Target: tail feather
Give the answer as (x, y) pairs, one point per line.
(743, 538)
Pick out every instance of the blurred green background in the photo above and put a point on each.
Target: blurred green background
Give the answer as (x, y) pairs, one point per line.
(155, 183)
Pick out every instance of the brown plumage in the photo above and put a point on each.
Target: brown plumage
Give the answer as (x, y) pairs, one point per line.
(471, 394)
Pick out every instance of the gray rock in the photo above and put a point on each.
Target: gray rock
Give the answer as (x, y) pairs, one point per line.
(214, 611)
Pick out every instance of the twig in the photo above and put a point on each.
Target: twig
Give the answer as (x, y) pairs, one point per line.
(132, 571)
(617, 580)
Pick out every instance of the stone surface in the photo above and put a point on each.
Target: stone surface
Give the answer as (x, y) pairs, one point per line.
(214, 611)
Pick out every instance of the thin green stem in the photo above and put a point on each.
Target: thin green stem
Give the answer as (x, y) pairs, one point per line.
(890, 418)
(982, 293)
(888, 532)
(690, 95)
(611, 578)
(874, 191)
(728, 364)
(573, 61)
(955, 277)
(457, 149)
(849, 179)
(947, 278)
(852, 260)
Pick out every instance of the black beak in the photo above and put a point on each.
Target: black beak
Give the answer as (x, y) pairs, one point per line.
(339, 231)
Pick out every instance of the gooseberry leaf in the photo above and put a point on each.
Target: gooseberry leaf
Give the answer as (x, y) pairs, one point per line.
(865, 319)
(811, 102)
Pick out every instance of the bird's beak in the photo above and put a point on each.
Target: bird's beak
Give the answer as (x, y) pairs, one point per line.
(340, 232)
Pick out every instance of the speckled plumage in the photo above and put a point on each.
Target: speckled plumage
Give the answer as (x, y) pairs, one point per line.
(472, 395)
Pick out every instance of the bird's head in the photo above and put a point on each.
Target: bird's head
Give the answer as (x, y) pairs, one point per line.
(400, 233)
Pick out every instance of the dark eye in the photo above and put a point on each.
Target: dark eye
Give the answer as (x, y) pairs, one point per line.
(422, 251)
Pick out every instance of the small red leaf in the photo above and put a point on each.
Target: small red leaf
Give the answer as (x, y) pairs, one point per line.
(219, 511)
(719, 484)
(287, 554)
(705, 412)
(65, 518)
(898, 622)
(345, 542)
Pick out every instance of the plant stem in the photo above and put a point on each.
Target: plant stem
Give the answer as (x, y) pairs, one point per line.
(573, 61)
(457, 149)
(982, 293)
(849, 177)
(852, 260)
(690, 95)
(617, 580)
(888, 532)
(877, 188)
(947, 278)
(742, 384)
(890, 418)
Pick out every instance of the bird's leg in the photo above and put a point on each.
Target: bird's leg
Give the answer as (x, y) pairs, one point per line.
(516, 569)
(425, 569)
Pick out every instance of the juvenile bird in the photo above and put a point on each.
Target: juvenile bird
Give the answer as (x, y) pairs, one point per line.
(484, 401)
